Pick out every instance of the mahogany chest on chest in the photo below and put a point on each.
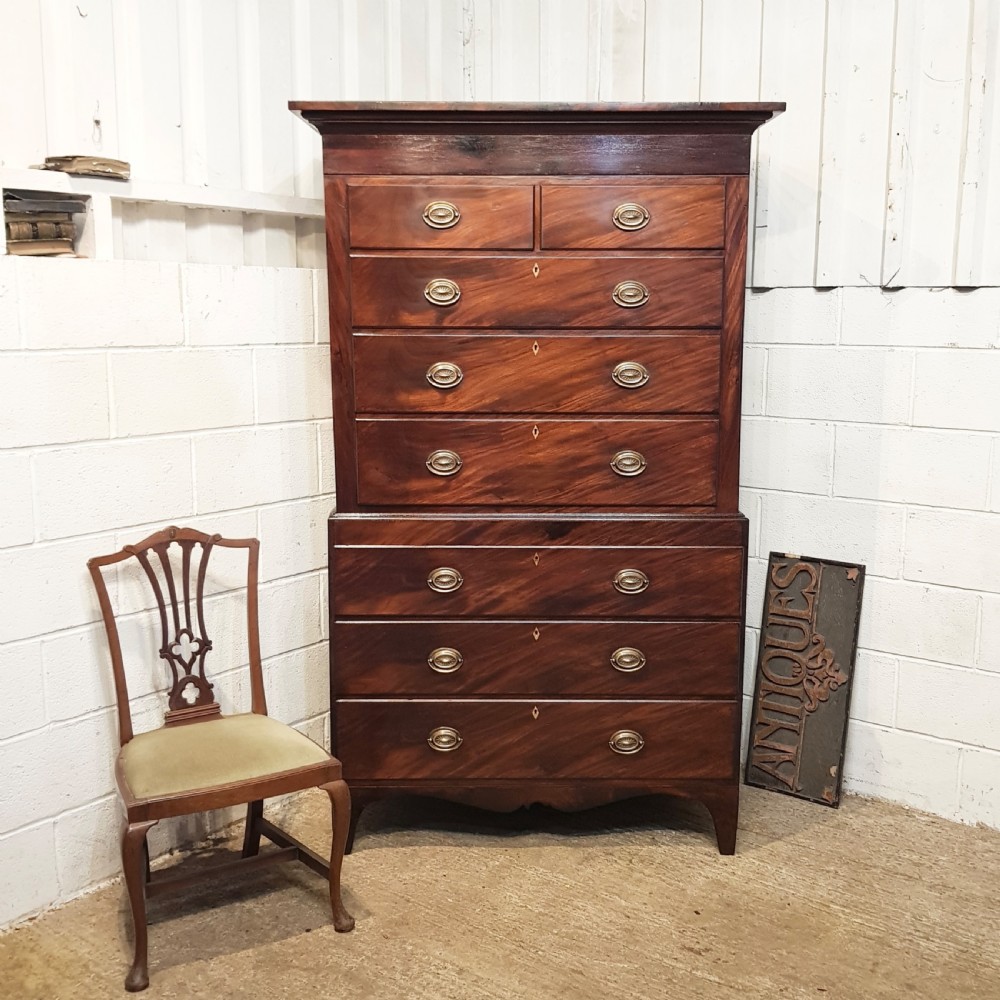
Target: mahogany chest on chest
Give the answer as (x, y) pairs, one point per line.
(537, 561)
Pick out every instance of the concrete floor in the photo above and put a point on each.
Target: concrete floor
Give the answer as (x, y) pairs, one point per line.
(631, 901)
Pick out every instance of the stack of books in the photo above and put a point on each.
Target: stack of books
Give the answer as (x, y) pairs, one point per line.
(88, 166)
(39, 223)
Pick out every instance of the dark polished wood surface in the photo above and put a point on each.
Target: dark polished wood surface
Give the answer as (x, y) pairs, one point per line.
(519, 373)
(537, 462)
(489, 215)
(607, 530)
(567, 290)
(564, 582)
(678, 659)
(491, 266)
(540, 111)
(536, 739)
(677, 216)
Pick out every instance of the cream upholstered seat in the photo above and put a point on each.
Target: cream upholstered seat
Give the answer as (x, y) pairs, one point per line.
(219, 751)
(200, 759)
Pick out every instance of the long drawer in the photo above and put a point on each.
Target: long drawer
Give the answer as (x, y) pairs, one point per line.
(405, 740)
(551, 290)
(607, 463)
(612, 659)
(601, 373)
(553, 582)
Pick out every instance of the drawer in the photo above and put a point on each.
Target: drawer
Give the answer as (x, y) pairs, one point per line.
(544, 739)
(630, 217)
(536, 291)
(453, 462)
(602, 373)
(441, 216)
(613, 659)
(552, 582)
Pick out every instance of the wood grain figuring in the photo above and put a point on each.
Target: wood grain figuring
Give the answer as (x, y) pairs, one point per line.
(536, 155)
(481, 512)
(701, 583)
(682, 659)
(537, 463)
(391, 215)
(537, 291)
(554, 530)
(682, 739)
(341, 342)
(731, 369)
(680, 216)
(536, 374)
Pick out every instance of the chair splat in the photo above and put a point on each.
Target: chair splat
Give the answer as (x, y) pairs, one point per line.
(191, 693)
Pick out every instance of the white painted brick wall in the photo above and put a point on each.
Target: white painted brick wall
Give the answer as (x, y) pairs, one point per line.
(160, 392)
(937, 468)
(876, 438)
(214, 410)
(17, 520)
(139, 394)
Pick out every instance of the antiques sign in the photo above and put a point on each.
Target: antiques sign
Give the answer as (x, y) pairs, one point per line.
(805, 664)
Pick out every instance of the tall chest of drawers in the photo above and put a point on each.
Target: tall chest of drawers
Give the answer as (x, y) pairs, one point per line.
(537, 561)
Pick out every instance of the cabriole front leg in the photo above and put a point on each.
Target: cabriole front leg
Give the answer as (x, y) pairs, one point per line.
(134, 869)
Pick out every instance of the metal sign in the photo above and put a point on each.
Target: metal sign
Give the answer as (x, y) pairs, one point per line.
(805, 664)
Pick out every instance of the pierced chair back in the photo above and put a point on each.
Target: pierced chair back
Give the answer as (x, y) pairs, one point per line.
(184, 639)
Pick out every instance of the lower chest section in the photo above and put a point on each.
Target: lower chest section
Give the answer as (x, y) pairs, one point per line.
(532, 648)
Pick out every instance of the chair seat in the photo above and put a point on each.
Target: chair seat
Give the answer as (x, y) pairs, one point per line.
(220, 751)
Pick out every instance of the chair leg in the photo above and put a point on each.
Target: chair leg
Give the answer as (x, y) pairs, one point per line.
(340, 801)
(133, 866)
(251, 836)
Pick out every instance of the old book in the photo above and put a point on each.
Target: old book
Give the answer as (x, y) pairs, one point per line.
(38, 216)
(25, 202)
(27, 248)
(88, 166)
(34, 230)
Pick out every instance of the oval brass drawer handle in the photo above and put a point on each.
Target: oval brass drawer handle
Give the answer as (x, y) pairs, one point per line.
(445, 739)
(445, 660)
(629, 374)
(630, 294)
(444, 375)
(630, 581)
(626, 741)
(628, 659)
(629, 463)
(442, 215)
(444, 580)
(442, 292)
(630, 216)
(444, 462)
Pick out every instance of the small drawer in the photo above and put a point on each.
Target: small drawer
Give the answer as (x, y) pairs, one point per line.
(608, 659)
(441, 216)
(536, 739)
(536, 291)
(580, 463)
(553, 582)
(601, 373)
(631, 217)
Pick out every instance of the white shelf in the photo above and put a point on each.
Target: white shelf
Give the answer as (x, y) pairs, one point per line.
(96, 239)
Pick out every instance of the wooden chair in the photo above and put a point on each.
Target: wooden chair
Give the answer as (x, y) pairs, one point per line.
(200, 759)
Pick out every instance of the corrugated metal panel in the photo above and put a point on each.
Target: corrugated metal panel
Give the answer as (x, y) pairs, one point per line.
(884, 170)
(855, 134)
